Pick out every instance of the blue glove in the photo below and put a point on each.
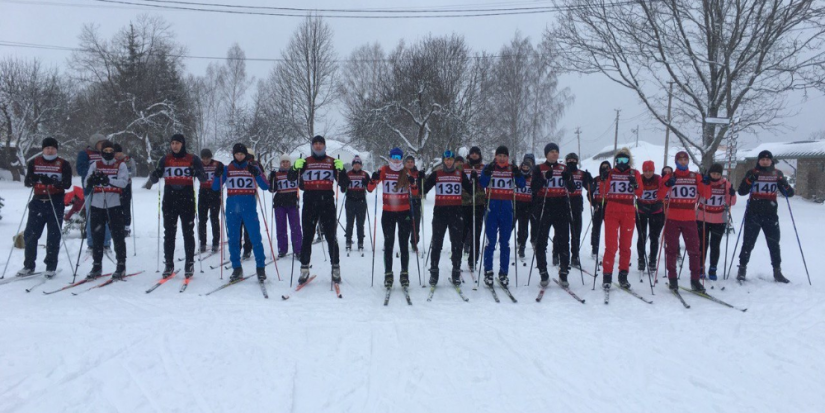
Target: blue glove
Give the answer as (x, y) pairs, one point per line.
(670, 182)
(706, 179)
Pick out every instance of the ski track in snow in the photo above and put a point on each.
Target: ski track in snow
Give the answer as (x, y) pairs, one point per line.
(117, 349)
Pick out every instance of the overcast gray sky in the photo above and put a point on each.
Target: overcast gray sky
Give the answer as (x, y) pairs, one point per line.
(58, 22)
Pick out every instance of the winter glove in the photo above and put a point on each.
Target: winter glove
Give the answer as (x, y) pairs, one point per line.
(488, 170)
(35, 178)
(299, 163)
(751, 176)
(376, 176)
(339, 164)
(474, 176)
(47, 180)
(670, 182)
(253, 170)
(706, 179)
(549, 174)
(634, 184)
(365, 181)
(219, 170)
(731, 191)
(157, 174)
(104, 179)
(566, 175)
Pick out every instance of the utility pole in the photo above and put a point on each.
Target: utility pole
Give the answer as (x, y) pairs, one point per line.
(637, 135)
(579, 139)
(616, 136)
(667, 128)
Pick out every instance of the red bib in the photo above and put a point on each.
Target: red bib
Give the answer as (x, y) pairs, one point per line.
(239, 181)
(448, 188)
(178, 171)
(111, 172)
(53, 170)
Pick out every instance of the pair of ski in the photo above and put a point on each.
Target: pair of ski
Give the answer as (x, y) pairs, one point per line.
(456, 287)
(389, 291)
(85, 280)
(566, 289)
(261, 284)
(209, 254)
(229, 266)
(627, 290)
(361, 250)
(504, 288)
(169, 277)
(704, 295)
(309, 280)
(107, 282)
(21, 277)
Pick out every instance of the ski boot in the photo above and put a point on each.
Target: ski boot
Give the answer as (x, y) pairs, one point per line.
(575, 262)
(433, 277)
(545, 278)
(651, 263)
(237, 274)
(607, 279)
(712, 274)
(471, 268)
(127, 231)
(49, 274)
(488, 278)
(503, 279)
(96, 272)
(281, 255)
(361, 247)
(120, 272)
(348, 246)
(404, 278)
(388, 279)
(336, 274)
(189, 269)
(641, 265)
(168, 269)
(593, 253)
(673, 283)
(25, 272)
(246, 255)
(521, 252)
(778, 277)
(202, 249)
(563, 278)
(623, 280)
(740, 276)
(697, 286)
(304, 275)
(456, 277)
(261, 271)
(216, 248)
(555, 260)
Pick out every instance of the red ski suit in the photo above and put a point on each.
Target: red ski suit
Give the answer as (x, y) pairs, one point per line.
(619, 216)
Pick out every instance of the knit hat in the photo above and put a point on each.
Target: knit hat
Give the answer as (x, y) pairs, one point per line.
(357, 160)
(49, 141)
(409, 158)
(117, 147)
(396, 152)
(572, 155)
(765, 154)
(319, 138)
(681, 154)
(447, 154)
(285, 158)
(107, 144)
(475, 149)
(502, 150)
(206, 153)
(717, 167)
(178, 138)
(459, 158)
(550, 147)
(94, 139)
(239, 147)
(529, 157)
(648, 166)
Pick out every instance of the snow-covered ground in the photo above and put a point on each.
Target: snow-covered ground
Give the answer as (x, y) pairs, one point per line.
(117, 349)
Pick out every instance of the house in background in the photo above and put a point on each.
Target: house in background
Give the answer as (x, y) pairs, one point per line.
(803, 162)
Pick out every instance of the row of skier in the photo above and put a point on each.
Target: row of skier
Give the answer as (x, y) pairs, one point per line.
(469, 196)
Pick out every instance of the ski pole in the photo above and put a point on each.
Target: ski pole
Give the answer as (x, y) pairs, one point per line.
(83, 240)
(59, 225)
(599, 244)
(797, 238)
(197, 225)
(661, 246)
(266, 227)
(649, 278)
(374, 235)
(515, 223)
(570, 213)
(157, 265)
(222, 223)
(727, 238)
(741, 225)
(538, 233)
(22, 216)
(414, 231)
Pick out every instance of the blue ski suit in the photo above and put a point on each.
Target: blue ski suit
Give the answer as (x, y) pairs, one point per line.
(241, 208)
(504, 179)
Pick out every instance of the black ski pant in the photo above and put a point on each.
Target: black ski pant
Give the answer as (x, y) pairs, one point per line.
(356, 214)
(114, 217)
(179, 204)
(558, 217)
(710, 236)
(415, 235)
(652, 223)
(244, 242)
(389, 221)
(472, 241)
(447, 218)
(525, 223)
(209, 209)
(42, 214)
(315, 212)
(596, 232)
(126, 204)
(576, 203)
(769, 224)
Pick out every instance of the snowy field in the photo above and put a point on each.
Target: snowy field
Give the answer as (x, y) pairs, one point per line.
(117, 349)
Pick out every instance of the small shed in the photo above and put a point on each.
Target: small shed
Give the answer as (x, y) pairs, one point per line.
(803, 161)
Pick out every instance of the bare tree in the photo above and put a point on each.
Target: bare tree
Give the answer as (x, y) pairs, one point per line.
(725, 58)
(233, 84)
(307, 74)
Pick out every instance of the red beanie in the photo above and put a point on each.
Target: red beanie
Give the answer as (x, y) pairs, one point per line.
(648, 166)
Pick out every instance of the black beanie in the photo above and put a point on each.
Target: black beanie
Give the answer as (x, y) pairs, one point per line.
(502, 150)
(765, 154)
(239, 147)
(550, 147)
(107, 144)
(178, 137)
(206, 153)
(572, 155)
(475, 149)
(717, 167)
(49, 141)
(459, 158)
(319, 138)
(117, 147)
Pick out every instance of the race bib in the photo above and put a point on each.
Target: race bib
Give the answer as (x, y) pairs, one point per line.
(448, 188)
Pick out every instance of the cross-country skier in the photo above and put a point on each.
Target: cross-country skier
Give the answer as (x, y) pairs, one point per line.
(597, 202)
(397, 182)
(285, 203)
(651, 217)
(85, 158)
(762, 183)
(316, 176)
(209, 202)
(552, 183)
(620, 188)
(712, 216)
(524, 206)
(356, 202)
(447, 214)
(472, 241)
(242, 180)
(683, 189)
(126, 195)
(179, 170)
(50, 175)
(500, 178)
(582, 180)
(107, 177)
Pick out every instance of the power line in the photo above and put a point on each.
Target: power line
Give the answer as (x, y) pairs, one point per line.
(454, 9)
